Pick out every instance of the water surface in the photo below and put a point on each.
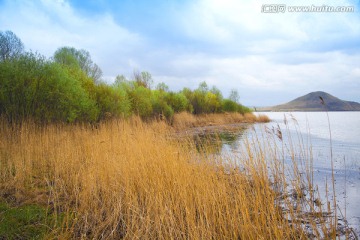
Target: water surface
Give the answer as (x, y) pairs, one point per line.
(327, 138)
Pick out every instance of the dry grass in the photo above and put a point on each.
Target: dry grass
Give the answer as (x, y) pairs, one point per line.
(263, 118)
(127, 179)
(185, 120)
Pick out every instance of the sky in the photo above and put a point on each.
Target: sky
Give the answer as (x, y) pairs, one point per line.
(269, 58)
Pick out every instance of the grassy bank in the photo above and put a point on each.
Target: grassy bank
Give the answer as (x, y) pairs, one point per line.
(130, 179)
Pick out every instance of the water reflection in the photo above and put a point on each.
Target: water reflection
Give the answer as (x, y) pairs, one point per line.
(214, 143)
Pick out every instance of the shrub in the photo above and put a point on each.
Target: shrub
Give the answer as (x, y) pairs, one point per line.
(140, 98)
(33, 87)
(160, 106)
(178, 102)
(112, 101)
(229, 106)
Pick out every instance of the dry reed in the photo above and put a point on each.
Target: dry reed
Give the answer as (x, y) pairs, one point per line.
(185, 120)
(129, 179)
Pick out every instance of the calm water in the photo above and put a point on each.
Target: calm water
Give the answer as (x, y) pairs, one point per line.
(310, 136)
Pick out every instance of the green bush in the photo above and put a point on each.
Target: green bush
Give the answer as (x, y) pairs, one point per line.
(212, 103)
(204, 100)
(78, 59)
(229, 106)
(33, 87)
(140, 98)
(111, 101)
(178, 102)
(242, 109)
(160, 106)
(122, 99)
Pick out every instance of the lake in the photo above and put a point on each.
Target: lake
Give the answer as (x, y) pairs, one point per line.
(308, 133)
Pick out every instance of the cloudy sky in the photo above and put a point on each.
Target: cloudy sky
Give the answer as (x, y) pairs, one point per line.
(270, 58)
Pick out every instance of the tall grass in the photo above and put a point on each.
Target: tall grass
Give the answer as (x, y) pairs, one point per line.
(185, 120)
(129, 179)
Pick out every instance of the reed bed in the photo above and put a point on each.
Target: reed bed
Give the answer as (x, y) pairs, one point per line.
(185, 120)
(132, 180)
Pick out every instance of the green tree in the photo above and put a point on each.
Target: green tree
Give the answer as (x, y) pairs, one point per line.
(242, 109)
(229, 106)
(33, 87)
(205, 100)
(162, 87)
(140, 98)
(203, 87)
(112, 101)
(198, 102)
(178, 102)
(189, 96)
(143, 79)
(10, 46)
(160, 106)
(234, 96)
(119, 80)
(217, 92)
(79, 59)
(187, 93)
(212, 103)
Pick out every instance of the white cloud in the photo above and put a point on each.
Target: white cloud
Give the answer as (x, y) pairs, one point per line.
(242, 24)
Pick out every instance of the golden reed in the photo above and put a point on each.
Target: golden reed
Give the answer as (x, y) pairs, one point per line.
(130, 179)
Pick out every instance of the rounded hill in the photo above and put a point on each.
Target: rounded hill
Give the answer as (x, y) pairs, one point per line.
(317, 101)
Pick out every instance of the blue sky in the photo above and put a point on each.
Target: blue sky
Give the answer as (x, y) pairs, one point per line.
(269, 58)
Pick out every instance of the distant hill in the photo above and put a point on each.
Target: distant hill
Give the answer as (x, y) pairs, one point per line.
(312, 102)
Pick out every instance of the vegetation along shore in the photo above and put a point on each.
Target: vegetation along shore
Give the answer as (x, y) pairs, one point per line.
(68, 88)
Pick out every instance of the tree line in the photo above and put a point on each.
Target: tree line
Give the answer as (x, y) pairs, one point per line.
(68, 87)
